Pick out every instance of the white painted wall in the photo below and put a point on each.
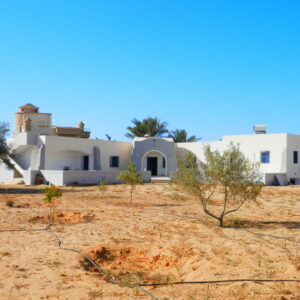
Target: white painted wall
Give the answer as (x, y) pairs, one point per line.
(54, 177)
(66, 158)
(251, 146)
(166, 146)
(67, 151)
(24, 138)
(63, 152)
(6, 174)
(293, 144)
(29, 177)
(27, 158)
(60, 178)
(160, 170)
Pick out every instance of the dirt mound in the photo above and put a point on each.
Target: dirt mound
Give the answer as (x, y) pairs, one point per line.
(132, 265)
(64, 218)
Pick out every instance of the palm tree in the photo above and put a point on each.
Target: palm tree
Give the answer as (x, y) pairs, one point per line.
(181, 136)
(150, 126)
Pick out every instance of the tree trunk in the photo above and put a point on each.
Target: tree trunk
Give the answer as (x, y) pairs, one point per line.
(221, 221)
(131, 190)
(51, 213)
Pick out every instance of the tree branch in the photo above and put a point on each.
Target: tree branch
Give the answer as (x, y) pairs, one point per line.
(237, 208)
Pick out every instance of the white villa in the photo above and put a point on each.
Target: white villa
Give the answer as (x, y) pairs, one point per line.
(66, 155)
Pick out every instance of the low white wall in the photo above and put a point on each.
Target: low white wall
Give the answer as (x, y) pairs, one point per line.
(54, 177)
(60, 178)
(30, 177)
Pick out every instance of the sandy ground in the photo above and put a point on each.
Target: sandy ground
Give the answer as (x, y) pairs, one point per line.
(162, 237)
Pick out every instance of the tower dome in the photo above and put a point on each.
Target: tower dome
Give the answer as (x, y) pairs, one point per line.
(29, 108)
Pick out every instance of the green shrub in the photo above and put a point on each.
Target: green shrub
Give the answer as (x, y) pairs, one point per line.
(51, 193)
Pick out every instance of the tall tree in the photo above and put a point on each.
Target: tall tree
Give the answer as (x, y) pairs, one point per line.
(150, 126)
(5, 150)
(181, 136)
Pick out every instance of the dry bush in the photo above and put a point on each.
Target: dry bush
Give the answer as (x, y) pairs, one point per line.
(10, 203)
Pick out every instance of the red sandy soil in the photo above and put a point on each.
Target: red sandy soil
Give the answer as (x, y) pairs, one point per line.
(162, 237)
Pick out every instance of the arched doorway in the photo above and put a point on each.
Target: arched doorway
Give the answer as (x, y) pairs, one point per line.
(155, 162)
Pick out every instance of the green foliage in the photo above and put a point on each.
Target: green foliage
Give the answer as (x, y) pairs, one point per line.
(102, 187)
(131, 176)
(150, 126)
(181, 136)
(228, 173)
(5, 150)
(51, 193)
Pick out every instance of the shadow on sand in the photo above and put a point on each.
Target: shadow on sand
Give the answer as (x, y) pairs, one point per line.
(22, 190)
(168, 205)
(265, 224)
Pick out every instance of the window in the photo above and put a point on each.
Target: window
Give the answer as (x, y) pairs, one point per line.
(295, 157)
(114, 161)
(265, 157)
(164, 163)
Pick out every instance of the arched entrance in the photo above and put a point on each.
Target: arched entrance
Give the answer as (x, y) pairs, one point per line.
(155, 162)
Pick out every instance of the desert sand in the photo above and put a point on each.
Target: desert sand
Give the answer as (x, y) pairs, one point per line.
(163, 236)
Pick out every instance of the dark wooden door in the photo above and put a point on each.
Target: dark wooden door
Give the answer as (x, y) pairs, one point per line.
(152, 165)
(86, 163)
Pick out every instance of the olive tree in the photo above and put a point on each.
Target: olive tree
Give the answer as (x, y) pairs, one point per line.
(229, 174)
(132, 177)
(5, 149)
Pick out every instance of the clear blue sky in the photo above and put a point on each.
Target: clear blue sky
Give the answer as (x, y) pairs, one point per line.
(212, 67)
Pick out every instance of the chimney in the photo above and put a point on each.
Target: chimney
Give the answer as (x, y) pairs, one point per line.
(260, 129)
(81, 125)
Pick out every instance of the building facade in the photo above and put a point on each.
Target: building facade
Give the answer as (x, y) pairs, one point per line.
(66, 155)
